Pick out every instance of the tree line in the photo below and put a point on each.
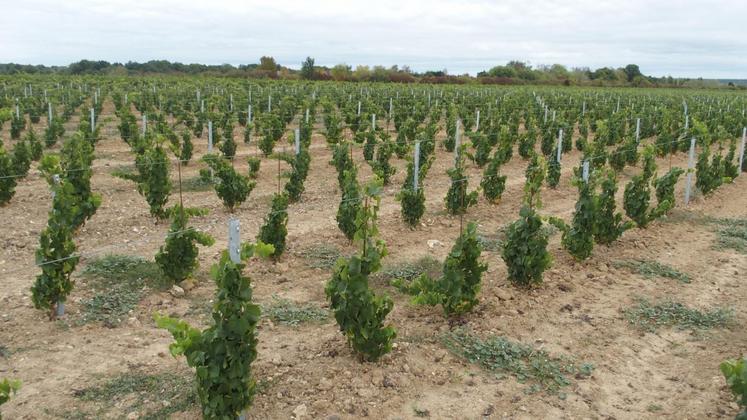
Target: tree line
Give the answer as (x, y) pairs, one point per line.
(512, 73)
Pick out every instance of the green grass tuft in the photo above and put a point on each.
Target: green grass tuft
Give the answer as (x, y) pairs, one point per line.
(650, 269)
(650, 316)
(283, 311)
(195, 184)
(409, 270)
(118, 283)
(527, 364)
(322, 256)
(144, 393)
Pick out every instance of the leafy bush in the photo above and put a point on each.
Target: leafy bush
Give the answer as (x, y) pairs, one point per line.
(228, 145)
(708, 176)
(735, 373)
(76, 157)
(369, 146)
(358, 311)
(535, 174)
(8, 387)
(638, 191)
(609, 226)
(342, 161)
(177, 258)
(578, 238)
(349, 204)
(275, 227)
(17, 124)
(223, 353)
(553, 170)
(232, 188)
(185, 154)
(665, 192)
(36, 149)
(21, 158)
(457, 199)
(254, 163)
(525, 249)
(299, 171)
(413, 202)
(492, 182)
(381, 166)
(456, 291)
(55, 255)
(8, 179)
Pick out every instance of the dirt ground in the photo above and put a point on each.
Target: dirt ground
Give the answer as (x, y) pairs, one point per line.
(308, 371)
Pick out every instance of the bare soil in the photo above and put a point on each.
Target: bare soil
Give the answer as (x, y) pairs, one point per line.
(309, 371)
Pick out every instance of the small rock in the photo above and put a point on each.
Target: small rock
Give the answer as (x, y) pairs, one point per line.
(132, 416)
(176, 291)
(366, 392)
(277, 361)
(325, 384)
(432, 243)
(565, 288)
(188, 284)
(502, 294)
(388, 382)
(320, 405)
(300, 411)
(333, 417)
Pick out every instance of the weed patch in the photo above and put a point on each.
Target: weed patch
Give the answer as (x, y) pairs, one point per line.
(286, 312)
(527, 364)
(651, 269)
(651, 316)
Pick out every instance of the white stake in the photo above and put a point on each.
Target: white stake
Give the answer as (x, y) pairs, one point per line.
(359, 107)
(249, 113)
(307, 116)
(373, 122)
(416, 167)
(560, 143)
(145, 123)
(637, 130)
(210, 136)
(477, 123)
(390, 107)
(741, 150)
(690, 165)
(49, 113)
(269, 103)
(298, 140)
(585, 171)
(234, 240)
(93, 120)
(456, 142)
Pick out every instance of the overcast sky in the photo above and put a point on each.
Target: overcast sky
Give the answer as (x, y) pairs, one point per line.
(664, 37)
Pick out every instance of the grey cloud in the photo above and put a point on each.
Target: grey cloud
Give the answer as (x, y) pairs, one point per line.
(681, 38)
